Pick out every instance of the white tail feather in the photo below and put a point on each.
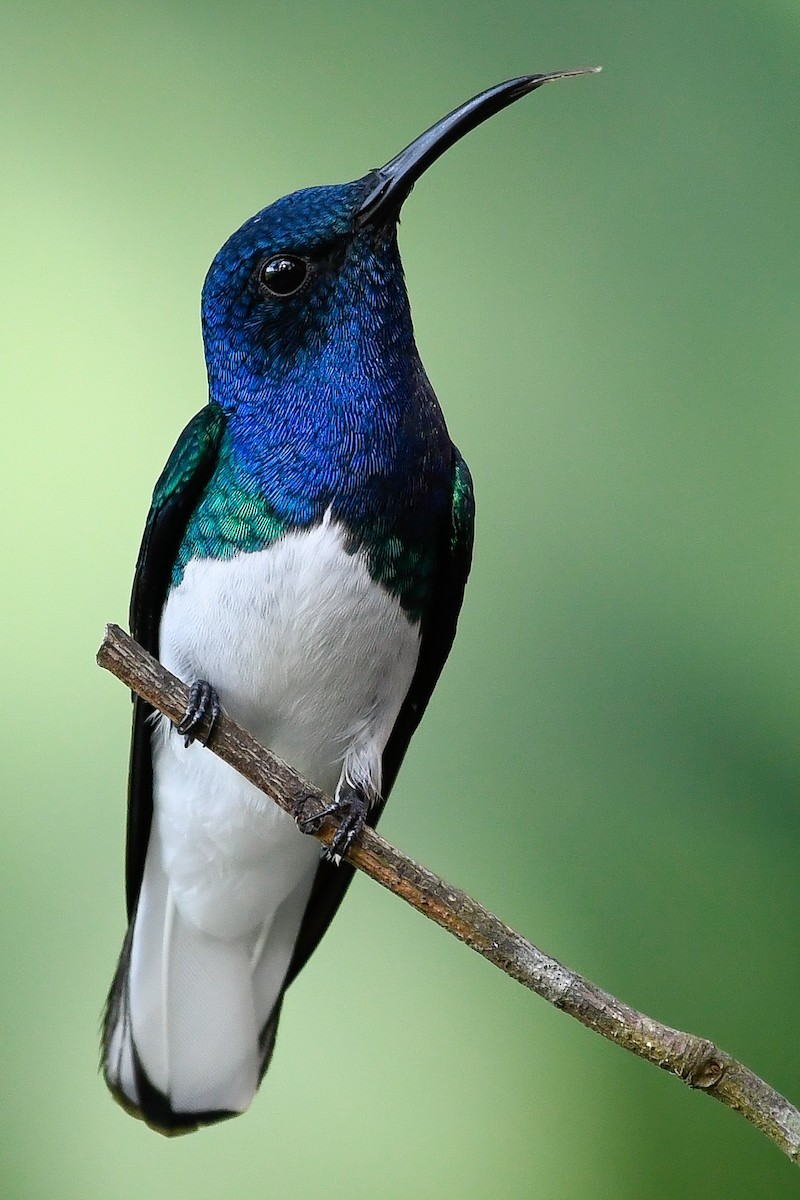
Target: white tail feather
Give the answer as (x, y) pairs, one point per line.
(195, 1004)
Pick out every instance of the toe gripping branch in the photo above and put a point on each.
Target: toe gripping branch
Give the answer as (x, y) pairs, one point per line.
(203, 707)
(351, 807)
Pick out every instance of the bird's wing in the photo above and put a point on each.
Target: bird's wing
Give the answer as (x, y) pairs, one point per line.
(188, 470)
(437, 633)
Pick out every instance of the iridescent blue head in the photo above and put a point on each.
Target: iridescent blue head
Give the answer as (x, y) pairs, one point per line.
(311, 291)
(291, 288)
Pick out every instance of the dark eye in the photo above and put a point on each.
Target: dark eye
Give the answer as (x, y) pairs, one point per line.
(283, 274)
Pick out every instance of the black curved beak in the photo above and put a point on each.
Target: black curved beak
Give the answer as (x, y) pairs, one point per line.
(393, 182)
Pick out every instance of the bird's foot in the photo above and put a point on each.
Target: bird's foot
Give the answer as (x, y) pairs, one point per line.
(351, 806)
(203, 706)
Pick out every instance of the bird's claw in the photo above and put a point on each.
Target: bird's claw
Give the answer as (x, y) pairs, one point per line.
(351, 806)
(312, 823)
(203, 705)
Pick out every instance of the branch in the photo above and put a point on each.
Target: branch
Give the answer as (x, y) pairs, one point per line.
(699, 1063)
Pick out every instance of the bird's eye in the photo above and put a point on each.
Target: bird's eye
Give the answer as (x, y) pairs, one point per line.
(283, 274)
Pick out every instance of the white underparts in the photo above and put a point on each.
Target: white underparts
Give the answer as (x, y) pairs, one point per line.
(314, 658)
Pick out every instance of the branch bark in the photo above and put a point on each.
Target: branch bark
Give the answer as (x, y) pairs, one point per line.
(698, 1062)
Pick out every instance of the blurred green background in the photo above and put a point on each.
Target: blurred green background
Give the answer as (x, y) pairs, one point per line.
(605, 287)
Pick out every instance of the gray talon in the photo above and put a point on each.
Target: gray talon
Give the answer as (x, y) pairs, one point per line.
(351, 806)
(203, 705)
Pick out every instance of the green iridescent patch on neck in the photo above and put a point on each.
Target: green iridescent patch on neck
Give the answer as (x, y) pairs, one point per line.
(406, 571)
(231, 518)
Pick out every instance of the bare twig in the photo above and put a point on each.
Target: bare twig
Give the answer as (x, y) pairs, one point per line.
(699, 1063)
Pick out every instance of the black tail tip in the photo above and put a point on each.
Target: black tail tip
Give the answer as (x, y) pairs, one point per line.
(156, 1111)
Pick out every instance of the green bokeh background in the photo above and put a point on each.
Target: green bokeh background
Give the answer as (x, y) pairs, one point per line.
(605, 287)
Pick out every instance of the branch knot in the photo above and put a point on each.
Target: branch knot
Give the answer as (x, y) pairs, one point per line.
(704, 1065)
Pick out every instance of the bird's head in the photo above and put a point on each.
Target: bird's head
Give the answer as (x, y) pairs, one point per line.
(314, 281)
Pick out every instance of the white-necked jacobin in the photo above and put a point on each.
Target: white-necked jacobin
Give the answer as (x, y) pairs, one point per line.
(303, 564)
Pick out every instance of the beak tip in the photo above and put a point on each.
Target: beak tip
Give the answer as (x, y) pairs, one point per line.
(535, 81)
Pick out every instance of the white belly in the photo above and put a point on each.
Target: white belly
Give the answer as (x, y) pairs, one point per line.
(314, 659)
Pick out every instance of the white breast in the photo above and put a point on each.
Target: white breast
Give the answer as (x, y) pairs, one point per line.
(315, 659)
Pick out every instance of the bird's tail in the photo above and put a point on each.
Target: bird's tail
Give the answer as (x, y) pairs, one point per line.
(191, 1018)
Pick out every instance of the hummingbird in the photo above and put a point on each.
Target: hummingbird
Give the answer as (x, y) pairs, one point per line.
(303, 565)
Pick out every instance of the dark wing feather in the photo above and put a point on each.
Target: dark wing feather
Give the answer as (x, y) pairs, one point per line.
(182, 482)
(438, 630)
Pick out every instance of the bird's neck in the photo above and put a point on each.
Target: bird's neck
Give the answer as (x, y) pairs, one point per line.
(333, 415)
(325, 435)
(346, 420)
